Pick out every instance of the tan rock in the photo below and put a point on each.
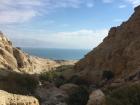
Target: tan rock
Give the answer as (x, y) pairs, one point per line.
(7, 59)
(119, 52)
(13, 99)
(97, 97)
(22, 59)
(6, 53)
(4, 40)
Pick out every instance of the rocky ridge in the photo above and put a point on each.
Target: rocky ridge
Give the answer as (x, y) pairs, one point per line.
(119, 53)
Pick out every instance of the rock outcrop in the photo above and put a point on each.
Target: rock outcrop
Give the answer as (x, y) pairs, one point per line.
(13, 99)
(7, 60)
(119, 52)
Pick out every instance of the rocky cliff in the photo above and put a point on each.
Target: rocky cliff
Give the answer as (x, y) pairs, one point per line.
(7, 60)
(119, 52)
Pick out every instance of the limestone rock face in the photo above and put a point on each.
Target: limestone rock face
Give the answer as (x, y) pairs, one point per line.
(13, 99)
(119, 52)
(7, 59)
(10, 57)
(97, 97)
(22, 59)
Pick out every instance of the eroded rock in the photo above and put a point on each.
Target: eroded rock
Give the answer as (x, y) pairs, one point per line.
(13, 99)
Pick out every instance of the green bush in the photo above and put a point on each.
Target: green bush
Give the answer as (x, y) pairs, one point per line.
(27, 82)
(60, 80)
(53, 77)
(64, 68)
(48, 76)
(107, 75)
(19, 83)
(128, 95)
(79, 97)
(77, 80)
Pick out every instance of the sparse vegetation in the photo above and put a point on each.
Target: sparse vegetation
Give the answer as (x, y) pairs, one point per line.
(49, 76)
(57, 73)
(127, 95)
(60, 80)
(27, 82)
(77, 80)
(79, 97)
(56, 77)
(64, 68)
(53, 77)
(19, 83)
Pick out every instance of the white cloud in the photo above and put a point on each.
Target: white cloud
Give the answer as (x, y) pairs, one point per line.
(134, 2)
(15, 11)
(76, 39)
(64, 3)
(90, 5)
(107, 1)
(122, 6)
(16, 16)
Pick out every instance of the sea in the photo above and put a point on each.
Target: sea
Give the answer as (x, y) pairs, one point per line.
(57, 54)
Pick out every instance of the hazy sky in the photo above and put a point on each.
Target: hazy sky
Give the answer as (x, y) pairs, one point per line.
(62, 23)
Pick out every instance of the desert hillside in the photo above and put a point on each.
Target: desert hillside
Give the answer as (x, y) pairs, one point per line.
(119, 53)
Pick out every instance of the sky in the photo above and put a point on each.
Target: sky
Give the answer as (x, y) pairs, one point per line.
(71, 24)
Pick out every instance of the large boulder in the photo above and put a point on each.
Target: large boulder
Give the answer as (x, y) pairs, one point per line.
(13, 99)
(97, 97)
(119, 52)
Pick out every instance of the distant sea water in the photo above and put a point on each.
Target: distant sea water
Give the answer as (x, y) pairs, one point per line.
(57, 54)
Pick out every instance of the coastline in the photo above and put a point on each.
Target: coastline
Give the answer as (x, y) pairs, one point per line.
(57, 54)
